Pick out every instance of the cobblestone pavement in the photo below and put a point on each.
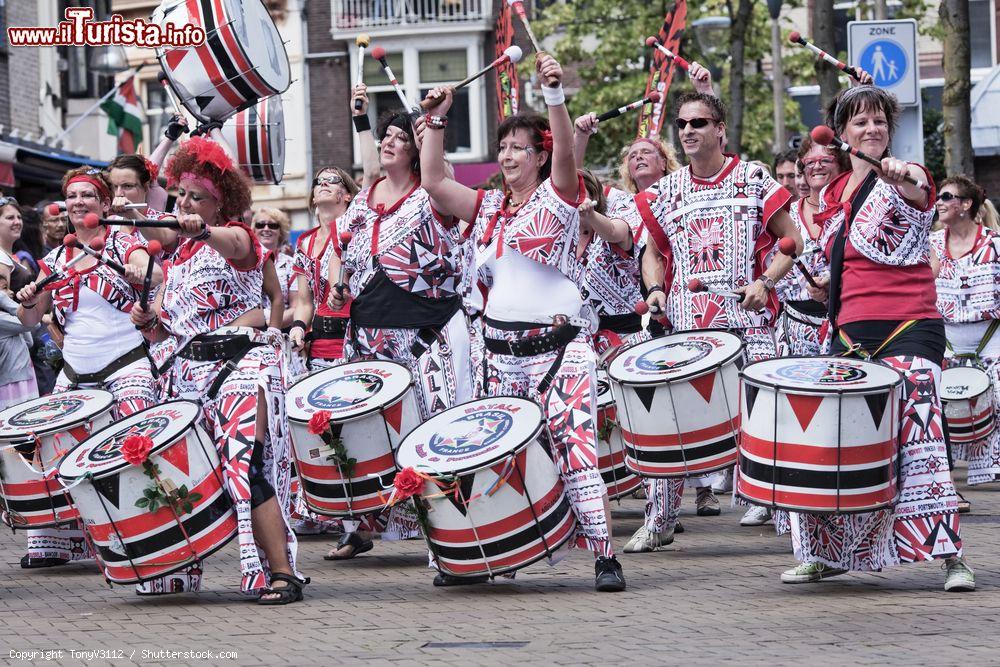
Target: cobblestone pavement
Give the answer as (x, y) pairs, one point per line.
(711, 596)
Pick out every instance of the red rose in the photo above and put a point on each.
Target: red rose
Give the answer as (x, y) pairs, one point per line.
(407, 483)
(136, 448)
(319, 423)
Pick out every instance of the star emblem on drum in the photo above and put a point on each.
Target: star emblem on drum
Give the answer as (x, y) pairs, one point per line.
(471, 433)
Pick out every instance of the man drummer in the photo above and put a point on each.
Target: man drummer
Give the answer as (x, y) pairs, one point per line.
(714, 222)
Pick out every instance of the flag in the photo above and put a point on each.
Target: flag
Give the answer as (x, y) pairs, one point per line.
(508, 89)
(125, 116)
(661, 71)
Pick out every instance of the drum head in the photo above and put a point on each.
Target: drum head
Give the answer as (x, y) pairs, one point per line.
(962, 382)
(470, 436)
(100, 454)
(275, 123)
(676, 357)
(261, 42)
(54, 413)
(348, 391)
(823, 375)
(604, 395)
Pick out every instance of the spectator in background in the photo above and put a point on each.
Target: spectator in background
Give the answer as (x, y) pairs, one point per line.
(784, 170)
(28, 248)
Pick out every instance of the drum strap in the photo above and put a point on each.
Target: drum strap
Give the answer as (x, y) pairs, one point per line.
(327, 328)
(990, 330)
(856, 349)
(99, 377)
(228, 368)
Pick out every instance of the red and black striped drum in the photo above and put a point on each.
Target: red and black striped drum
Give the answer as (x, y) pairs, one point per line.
(819, 434)
(369, 406)
(967, 399)
(610, 447)
(257, 136)
(242, 60)
(492, 497)
(115, 497)
(677, 403)
(34, 436)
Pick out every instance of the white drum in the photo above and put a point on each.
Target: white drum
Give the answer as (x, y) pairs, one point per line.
(610, 447)
(242, 60)
(369, 406)
(257, 137)
(819, 434)
(493, 500)
(677, 403)
(135, 543)
(34, 436)
(967, 398)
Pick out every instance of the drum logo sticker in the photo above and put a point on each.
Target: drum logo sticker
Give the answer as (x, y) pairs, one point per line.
(345, 392)
(674, 355)
(110, 448)
(471, 433)
(56, 408)
(821, 372)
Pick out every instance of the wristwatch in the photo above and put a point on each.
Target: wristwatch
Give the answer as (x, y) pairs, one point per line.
(768, 283)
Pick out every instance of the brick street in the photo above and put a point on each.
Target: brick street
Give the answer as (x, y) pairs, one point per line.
(711, 596)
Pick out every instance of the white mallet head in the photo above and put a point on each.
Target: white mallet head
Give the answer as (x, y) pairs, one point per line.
(514, 53)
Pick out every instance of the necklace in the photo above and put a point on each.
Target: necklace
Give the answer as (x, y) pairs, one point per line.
(714, 173)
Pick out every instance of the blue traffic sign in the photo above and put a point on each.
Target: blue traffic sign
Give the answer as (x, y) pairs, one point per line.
(886, 61)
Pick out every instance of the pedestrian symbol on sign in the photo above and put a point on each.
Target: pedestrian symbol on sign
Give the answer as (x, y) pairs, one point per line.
(885, 60)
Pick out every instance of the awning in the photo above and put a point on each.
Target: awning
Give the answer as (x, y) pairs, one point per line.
(985, 119)
(37, 164)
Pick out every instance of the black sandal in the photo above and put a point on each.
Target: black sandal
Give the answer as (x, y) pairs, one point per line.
(358, 544)
(286, 594)
(29, 563)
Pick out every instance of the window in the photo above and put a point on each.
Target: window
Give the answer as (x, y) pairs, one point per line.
(981, 41)
(80, 81)
(158, 113)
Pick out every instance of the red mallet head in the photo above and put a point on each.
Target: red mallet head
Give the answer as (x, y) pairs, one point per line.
(652, 41)
(154, 248)
(641, 308)
(695, 285)
(822, 135)
(97, 245)
(787, 246)
(378, 53)
(53, 209)
(514, 53)
(91, 221)
(69, 240)
(795, 37)
(654, 97)
(345, 238)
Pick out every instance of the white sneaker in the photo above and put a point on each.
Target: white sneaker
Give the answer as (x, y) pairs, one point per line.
(959, 577)
(807, 573)
(723, 481)
(756, 516)
(643, 541)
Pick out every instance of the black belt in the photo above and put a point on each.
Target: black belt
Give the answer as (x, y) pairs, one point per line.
(558, 338)
(217, 348)
(100, 376)
(628, 323)
(325, 328)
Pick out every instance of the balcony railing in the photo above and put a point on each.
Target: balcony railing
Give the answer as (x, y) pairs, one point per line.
(356, 15)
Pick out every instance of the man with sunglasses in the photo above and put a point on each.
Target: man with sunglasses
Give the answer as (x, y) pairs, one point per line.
(715, 220)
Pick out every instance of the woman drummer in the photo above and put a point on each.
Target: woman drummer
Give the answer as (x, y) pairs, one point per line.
(966, 257)
(101, 348)
(875, 231)
(537, 325)
(227, 360)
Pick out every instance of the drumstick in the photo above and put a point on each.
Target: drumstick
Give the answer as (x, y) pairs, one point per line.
(59, 207)
(153, 248)
(71, 241)
(641, 308)
(511, 53)
(91, 221)
(165, 82)
(796, 38)
(652, 98)
(655, 43)
(696, 286)
(345, 240)
(362, 41)
(824, 136)
(787, 247)
(95, 244)
(518, 7)
(378, 53)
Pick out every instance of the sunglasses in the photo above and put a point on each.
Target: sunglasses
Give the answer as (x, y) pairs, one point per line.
(269, 225)
(328, 180)
(8, 200)
(947, 196)
(696, 123)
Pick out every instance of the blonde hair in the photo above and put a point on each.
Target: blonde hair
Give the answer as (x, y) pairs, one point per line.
(667, 154)
(988, 216)
(278, 216)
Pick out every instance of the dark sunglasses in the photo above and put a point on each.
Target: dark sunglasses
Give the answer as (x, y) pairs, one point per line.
(696, 123)
(8, 200)
(328, 180)
(269, 225)
(947, 196)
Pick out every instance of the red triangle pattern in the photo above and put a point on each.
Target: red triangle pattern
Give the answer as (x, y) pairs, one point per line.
(177, 456)
(704, 386)
(804, 407)
(394, 416)
(515, 479)
(174, 57)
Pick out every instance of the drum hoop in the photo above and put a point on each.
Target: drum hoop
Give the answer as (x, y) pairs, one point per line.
(988, 389)
(365, 413)
(492, 462)
(806, 390)
(50, 430)
(125, 464)
(677, 378)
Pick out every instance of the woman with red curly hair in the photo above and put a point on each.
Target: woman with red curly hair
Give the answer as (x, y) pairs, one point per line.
(101, 348)
(227, 360)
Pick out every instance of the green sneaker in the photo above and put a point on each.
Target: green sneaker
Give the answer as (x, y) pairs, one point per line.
(959, 577)
(807, 573)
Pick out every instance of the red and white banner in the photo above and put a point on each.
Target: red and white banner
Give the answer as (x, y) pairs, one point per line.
(661, 71)
(508, 89)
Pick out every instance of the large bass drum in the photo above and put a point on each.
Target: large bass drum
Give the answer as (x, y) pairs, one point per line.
(257, 137)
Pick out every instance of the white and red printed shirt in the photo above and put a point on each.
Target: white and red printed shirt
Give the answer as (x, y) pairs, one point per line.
(793, 286)
(968, 287)
(313, 263)
(612, 277)
(204, 291)
(417, 249)
(715, 231)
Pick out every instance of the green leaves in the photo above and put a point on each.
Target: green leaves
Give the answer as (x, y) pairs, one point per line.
(182, 500)
(339, 457)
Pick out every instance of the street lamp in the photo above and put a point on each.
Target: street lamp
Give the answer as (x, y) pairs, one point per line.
(108, 60)
(777, 76)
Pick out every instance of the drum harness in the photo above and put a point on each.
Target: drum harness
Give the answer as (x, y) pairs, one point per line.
(974, 358)
(564, 330)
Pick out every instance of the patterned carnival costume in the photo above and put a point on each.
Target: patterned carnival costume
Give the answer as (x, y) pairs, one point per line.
(800, 329)
(328, 327)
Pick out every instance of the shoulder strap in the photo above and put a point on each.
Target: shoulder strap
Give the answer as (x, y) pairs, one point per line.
(837, 252)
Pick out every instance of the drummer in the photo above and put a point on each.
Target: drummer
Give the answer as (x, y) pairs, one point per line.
(537, 325)
(965, 256)
(101, 348)
(722, 245)
(227, 361)
(897, 324)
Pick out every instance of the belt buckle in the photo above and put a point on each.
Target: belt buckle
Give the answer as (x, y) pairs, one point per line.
(559, 320)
